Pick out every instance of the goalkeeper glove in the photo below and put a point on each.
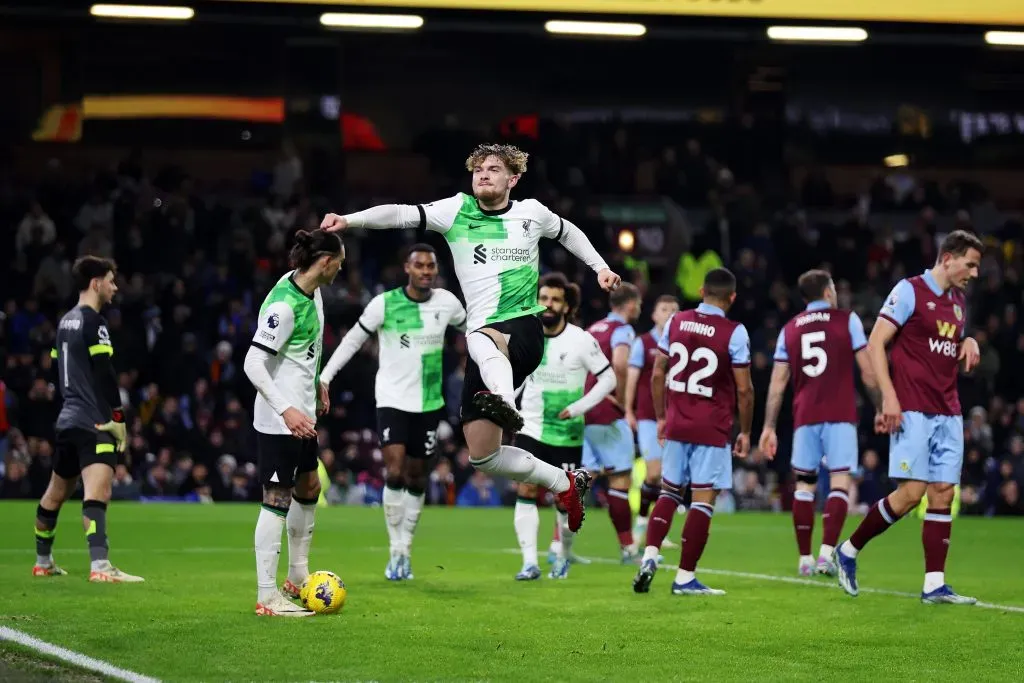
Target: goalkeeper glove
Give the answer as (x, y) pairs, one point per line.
(116, 428)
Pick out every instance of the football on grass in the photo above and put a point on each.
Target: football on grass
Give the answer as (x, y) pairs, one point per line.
(323, 592)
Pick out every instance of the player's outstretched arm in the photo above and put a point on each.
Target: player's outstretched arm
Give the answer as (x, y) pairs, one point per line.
(769, 441)
(437, 216)
(574, 239)
(383, 217)
(369, 322)
(350, 344)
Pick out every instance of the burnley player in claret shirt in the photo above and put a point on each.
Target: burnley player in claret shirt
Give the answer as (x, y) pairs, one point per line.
(704, 367)
(640, 409)
(818, 349)
(922, 323)
(608, 447)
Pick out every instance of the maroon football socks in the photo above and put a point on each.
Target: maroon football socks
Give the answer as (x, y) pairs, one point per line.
(879, 518)
(935, 532)
(661, 520)
(619, 511)
(695, 535)
(836, 506)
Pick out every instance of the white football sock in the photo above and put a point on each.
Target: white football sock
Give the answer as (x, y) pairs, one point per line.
(412, 506)
(495, 367)
(515, 463)
(44, 560)
(684, 577)
(826, 551)
(269, 526)
(394, 515)
(651, 552)
(847, 549)
(934, 580)
(527, 522)
(564, 550)
(300, 535)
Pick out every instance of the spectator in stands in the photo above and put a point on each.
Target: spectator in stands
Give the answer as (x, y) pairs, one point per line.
(479, 492)
(36, 232)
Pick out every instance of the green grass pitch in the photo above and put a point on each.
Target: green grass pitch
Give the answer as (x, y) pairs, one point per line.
(464, 618)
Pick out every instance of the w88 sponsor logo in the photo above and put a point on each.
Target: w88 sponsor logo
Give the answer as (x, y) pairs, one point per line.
(944, 347)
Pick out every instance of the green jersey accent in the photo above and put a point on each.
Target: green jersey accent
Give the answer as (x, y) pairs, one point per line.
(557, 383)
(411, 347)
(496, 255)
(518, 286)
(290, 327)
(555, 431)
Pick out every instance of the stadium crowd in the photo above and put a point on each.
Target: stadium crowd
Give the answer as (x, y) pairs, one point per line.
(194, 263)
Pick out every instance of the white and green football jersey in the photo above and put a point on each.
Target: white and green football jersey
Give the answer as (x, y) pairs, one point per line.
(291, 329)
(559, 382)
(496, 253)
(410, 337)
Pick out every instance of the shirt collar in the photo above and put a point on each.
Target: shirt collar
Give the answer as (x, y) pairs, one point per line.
(708, 309)
(929, 280)
(616, 317)
(818, 305)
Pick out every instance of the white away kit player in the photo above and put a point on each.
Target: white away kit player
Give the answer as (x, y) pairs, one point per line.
(283, 363)
(410, 323)
(495, 247)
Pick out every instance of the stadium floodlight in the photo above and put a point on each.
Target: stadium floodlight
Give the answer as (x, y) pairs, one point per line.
(389, 21)
(627, 241)
(818, 34)
(161, 12)
(595, 28)
(896, 161)
(1011, 38)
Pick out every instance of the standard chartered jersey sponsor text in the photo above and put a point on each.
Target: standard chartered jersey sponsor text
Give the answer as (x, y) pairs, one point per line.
(483, 253)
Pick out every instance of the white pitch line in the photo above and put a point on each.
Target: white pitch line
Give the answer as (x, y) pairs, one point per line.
(793, 579)
(812, 582)
(72, 657)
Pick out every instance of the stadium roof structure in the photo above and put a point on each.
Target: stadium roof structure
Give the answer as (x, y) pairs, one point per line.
(978, 12)
(914, 21)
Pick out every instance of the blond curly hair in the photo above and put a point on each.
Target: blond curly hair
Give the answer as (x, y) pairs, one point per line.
(513, 157)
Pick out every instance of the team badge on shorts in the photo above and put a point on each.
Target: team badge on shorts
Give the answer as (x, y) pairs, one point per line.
(904, 466)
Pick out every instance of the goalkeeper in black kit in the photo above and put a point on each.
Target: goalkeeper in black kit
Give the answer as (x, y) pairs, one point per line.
(90, 428)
